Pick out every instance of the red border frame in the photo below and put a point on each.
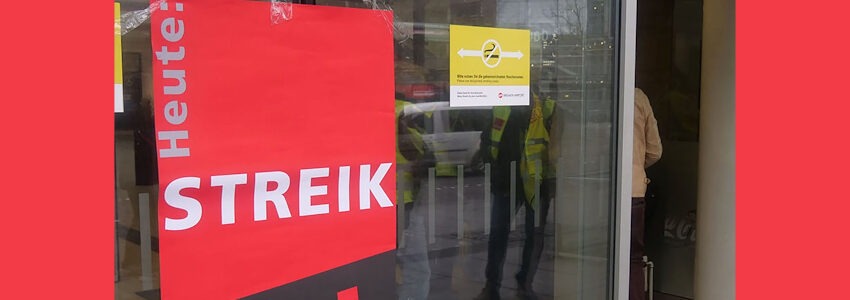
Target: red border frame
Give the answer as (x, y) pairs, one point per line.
(57, 158)
(791, 107)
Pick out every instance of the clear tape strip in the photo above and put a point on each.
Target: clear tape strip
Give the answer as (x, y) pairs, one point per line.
(281, 10)
(400, 35)
(133, 19)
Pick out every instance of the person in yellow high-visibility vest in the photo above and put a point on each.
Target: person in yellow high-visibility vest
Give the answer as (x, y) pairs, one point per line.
(412, 162)
(518, 142)
(410, 150)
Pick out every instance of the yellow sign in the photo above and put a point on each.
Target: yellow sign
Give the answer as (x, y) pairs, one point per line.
(119, 77)
(489, 66)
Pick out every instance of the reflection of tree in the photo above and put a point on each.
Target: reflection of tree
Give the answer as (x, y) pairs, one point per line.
(573, 15)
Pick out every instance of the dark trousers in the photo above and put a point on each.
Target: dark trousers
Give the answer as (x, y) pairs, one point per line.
(636, 275)
(500, 226)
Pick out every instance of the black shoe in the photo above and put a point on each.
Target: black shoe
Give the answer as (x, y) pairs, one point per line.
(525, 291)
(488, 293)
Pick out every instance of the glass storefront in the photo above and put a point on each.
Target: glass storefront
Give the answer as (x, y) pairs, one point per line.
(480, 211)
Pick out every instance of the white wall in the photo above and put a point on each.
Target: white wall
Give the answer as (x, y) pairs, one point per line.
(715, 253)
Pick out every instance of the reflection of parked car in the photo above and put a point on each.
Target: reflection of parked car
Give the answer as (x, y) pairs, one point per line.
(454, 135)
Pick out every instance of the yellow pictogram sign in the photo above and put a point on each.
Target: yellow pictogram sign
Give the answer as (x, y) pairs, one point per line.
(119, 77)
(489, 66)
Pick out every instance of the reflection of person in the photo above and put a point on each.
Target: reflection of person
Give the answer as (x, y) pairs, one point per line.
(519, 136)
(647, 151)
(144, 144)
(413, 160)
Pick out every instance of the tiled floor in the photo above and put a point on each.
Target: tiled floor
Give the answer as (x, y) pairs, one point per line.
(130, 283)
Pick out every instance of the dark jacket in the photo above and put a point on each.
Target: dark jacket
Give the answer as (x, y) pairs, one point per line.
(510, 149)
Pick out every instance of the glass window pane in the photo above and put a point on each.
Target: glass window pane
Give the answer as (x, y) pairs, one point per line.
(468, 221)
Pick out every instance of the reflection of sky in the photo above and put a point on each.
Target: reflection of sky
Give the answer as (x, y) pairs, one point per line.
(543, 18)
(547, 17)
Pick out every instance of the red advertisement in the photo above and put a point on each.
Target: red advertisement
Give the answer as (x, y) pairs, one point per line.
(276, 151)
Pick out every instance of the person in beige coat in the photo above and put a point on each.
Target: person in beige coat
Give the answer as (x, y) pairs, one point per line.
(647, 151)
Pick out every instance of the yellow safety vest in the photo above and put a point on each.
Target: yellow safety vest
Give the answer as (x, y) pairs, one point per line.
(405, 175)
(534, 162)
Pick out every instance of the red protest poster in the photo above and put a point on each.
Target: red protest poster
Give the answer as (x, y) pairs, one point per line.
(276, 151)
